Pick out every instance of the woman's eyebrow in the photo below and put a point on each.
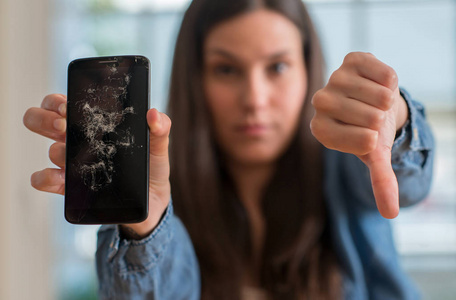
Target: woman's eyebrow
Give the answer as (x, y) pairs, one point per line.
(227, 54)
(278, 54)
(221, 52)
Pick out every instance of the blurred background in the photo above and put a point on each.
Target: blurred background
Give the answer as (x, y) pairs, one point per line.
(43, 257)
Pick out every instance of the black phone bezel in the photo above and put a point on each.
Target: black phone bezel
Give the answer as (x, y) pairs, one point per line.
(125, 214)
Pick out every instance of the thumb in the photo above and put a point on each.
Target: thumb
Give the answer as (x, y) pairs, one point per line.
(159, 128)
(384, 182)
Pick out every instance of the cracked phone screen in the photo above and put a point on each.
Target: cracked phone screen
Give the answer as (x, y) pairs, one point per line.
(107, 140)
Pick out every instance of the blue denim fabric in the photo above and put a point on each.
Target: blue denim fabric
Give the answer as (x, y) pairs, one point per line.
(164, 265)
(160, 266)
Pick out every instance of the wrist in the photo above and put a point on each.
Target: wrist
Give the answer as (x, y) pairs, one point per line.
(402, 113)
(141, 230)
(132, 232)
(137, 231)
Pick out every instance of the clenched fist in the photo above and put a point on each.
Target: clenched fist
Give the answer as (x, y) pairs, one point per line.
(359, 111)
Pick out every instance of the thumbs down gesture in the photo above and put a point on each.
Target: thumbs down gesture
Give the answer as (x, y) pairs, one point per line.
(359, 111)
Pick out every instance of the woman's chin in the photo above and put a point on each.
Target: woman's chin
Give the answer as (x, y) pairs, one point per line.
(255, 158)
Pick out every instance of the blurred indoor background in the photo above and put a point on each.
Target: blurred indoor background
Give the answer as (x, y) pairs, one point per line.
(44, 257)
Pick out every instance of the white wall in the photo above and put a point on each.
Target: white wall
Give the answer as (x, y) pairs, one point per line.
(24, 230)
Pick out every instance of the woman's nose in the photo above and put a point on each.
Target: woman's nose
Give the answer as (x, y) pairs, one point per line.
(255, 91)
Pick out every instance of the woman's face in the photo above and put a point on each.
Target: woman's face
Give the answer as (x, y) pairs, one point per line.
(255, 85)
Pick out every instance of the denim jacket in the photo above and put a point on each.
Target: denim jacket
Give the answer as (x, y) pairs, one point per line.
(164, 266)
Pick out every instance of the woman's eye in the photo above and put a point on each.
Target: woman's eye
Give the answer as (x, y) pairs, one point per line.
(278, 68)
(225, 70)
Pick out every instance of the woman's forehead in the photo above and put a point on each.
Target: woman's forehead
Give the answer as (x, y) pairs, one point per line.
(259, 33)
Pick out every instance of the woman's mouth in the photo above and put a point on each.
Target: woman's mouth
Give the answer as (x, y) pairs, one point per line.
(252, 130)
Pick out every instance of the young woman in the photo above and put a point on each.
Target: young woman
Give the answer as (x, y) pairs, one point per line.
(260, 209)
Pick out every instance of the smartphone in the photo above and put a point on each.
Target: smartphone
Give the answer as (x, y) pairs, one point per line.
(107, 140)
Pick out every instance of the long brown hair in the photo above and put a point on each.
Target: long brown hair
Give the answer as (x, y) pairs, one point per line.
(297, 260)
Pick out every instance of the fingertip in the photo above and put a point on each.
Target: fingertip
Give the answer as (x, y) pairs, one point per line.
(151, 114)
(384, 185)
(31, 118)
(62, 109)
(388, 204)
(391, 213)
(35, 179)
(154, 120)
(57, 154)
(159, 123)
(25, 118)
(151, 111)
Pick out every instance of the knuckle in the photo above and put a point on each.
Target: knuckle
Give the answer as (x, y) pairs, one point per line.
(317, 99)
(319, 130)
(368, 142)
(389, 77)
(321, 101)
(386, 98)
(316, 127)
(352, 58)
(376, 120)
(338, 79)
(356, 58)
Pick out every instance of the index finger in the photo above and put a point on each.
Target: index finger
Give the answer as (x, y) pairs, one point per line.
(368, 66)
(55, 103)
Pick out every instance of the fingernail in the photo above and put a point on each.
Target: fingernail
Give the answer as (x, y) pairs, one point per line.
(62, 109)
(60, 124)
(62, 174)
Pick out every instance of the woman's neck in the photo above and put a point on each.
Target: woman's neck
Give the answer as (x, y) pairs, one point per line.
(250, 181)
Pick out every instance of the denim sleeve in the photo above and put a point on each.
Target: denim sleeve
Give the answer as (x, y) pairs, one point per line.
(412, 158)
(412, 155)
(163, 265)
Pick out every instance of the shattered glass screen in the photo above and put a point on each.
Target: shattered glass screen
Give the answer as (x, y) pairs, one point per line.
(107, 138)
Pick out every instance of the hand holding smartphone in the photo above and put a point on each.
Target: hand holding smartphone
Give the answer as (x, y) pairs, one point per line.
(107, 142)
